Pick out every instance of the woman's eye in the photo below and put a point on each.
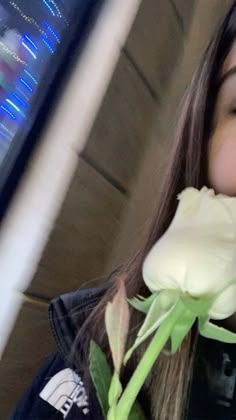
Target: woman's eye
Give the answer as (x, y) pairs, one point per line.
(233, 111)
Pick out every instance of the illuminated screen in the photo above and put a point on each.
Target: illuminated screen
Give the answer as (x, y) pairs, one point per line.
(32, 35)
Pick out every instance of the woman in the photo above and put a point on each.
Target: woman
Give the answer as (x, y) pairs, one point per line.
(204, 153)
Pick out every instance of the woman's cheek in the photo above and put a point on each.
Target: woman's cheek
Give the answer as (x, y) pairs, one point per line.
(222, 160)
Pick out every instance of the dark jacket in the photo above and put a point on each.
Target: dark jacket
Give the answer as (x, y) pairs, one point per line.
(58, 392)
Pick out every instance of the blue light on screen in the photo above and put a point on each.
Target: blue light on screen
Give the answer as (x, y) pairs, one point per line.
(49, 7)
(29, 49)
(57, 8)
(53, 32)
(6, 129)
(27, 37)
(48, 43)
(33, 39)
(13, 105)
(22, 93)
(22, 102)
(23, 81)
(31, 76)
(8, 112)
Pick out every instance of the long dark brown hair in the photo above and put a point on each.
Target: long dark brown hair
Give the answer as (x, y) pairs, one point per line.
(167, 387)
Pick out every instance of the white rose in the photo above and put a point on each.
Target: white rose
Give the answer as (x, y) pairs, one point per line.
(197, 253)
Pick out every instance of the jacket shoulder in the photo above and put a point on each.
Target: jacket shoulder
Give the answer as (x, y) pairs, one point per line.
(68, 312)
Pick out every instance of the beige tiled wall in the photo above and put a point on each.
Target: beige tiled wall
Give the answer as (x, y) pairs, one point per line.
(80, 243)
(156, 43)
(121, 131)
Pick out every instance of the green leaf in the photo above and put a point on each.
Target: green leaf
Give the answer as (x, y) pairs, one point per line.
(111, 415)
(160, 308)
(117, 318)
(148, 359)
(136, 412)
(181, 329)
(209, 330)
(199, 306)
(101, 375)
(115, 390)
(114, 394)
(142, 304)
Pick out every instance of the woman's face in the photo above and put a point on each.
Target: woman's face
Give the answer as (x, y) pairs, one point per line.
(222, 145)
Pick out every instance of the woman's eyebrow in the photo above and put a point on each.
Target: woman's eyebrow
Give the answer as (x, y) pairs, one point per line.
(226, 76)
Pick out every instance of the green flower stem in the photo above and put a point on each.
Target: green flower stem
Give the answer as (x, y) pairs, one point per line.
(147, 361)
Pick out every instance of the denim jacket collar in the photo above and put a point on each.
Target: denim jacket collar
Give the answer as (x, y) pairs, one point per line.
(68, 312)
